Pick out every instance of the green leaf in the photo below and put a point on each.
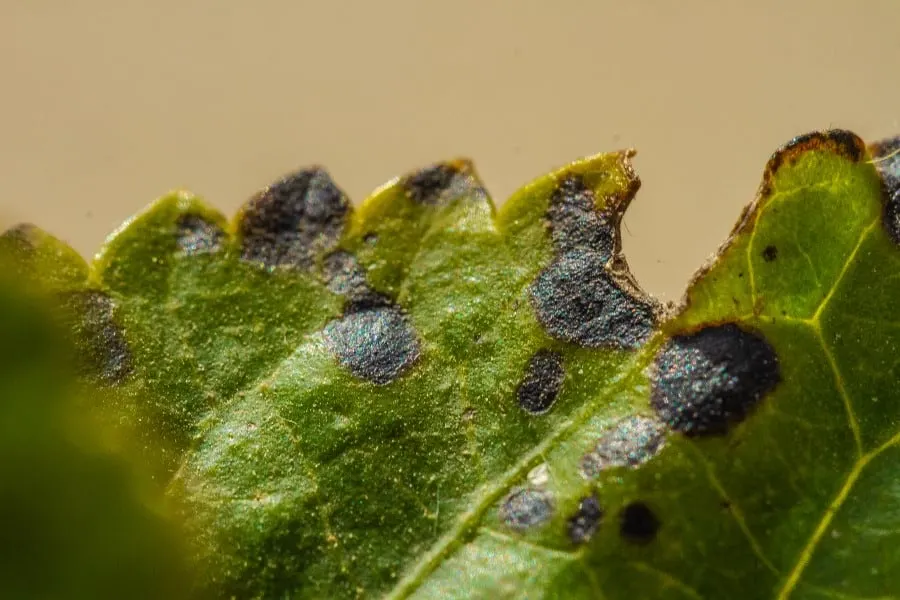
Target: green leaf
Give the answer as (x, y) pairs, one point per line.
(427, 397)
(79, 521)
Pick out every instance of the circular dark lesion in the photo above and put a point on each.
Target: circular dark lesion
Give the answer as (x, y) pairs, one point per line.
(638, 523)
(526, 508)
(708, 380)
(542, 382)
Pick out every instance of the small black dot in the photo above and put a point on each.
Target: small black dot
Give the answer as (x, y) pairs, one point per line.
(638, 523)
(770, 253)
(542, 383)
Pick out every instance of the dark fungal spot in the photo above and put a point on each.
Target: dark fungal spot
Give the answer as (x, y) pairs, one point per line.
(197, 235)
(442, 183)
(887, 161)
(103, 351)
(374, 343)
(770, 253)
(526, 508)
(542, 383)
(343, 275)
(582, 525)
(574, 220)
(705, 381)
(637, 523)
(631, 442)
(293, 220)
(578, 301)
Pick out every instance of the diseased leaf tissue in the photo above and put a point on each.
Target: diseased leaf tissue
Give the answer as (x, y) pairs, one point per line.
(429, 398)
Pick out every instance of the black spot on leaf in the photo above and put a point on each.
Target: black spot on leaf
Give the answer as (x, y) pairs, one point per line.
(196, 235)
(103, 351)
(705, 381)
(638, 523)
(293, 220)
(376, 344)
(577, 300)
(770, 253)
(887, 162)
(442, 183)
(343, 274)
(526, 508)
(543, 380)
(582, 525)
(575, 222)
(629, 443)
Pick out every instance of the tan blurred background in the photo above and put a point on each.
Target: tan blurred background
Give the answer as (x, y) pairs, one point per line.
(108, 104)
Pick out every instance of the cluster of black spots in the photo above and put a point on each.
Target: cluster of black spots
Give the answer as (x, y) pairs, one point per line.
(705, 381)
(293, 220)
(103, 351)
(638, 523)
(577, 300)
(770, 253)
(575, 222)
(542, 382)
(373, 338)
(582, 525)
(196, 235)
(631, 442)
(887, 155)
(443, 183)
(526, 508)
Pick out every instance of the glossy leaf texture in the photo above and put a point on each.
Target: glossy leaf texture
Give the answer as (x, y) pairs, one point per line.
(429, 398)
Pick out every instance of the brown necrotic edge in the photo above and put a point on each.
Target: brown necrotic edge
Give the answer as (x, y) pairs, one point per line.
(838, 141)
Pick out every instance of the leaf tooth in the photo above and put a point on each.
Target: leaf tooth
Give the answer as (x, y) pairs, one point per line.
(294, 220)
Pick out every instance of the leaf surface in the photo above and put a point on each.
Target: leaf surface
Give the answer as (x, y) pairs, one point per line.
(427, 397)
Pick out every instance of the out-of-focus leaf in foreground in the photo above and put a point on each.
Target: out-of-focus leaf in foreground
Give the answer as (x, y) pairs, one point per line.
(430, 398)
(79, 522)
